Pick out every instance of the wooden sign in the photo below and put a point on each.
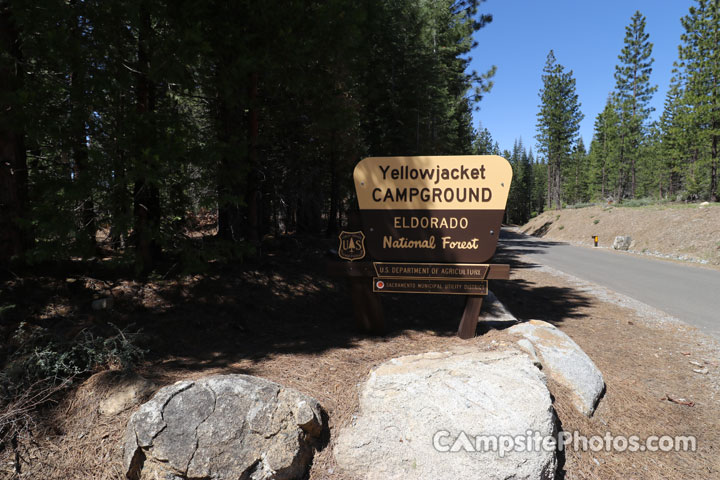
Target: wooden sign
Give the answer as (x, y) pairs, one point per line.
(432, 209)
(429, 225)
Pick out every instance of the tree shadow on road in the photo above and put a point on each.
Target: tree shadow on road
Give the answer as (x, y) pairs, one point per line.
(525, 299)
(513, 245)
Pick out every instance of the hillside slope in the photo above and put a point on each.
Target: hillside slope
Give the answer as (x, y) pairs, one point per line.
(681, 231)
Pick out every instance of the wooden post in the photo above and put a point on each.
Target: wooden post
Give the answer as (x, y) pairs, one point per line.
(469, 321)
(367, 308)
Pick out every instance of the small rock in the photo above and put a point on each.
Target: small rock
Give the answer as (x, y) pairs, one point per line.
(622, 242)
(126, 393)
(702, 371)
(697, 364)
(102, 303)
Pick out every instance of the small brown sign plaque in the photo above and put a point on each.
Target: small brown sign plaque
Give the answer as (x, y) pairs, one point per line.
(430, 285)
(465, 271)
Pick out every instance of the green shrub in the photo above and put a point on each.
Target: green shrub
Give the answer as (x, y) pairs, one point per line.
(42, 367)
(89, 353)
(41, 357)
(596, 221)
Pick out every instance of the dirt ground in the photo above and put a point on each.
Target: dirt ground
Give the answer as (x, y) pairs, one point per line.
(285, 320)
(682, 231)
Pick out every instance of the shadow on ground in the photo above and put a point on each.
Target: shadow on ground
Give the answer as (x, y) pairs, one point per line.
(527, 300)
(284, 303)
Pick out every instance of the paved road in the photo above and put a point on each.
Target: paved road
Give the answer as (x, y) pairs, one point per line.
(689, 293)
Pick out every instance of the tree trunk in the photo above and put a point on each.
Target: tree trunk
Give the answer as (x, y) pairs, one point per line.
(146, 208)
(714, 168)
(79, 113)
(604, 162)
(620, 191)
(228, 175)
(13, 161)
(251, 226)
(549, 184)
(332, 225)
(558, 186)
(632, 168)
(88, 227)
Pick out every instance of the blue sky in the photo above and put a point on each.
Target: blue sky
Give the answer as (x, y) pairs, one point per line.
(587, 37)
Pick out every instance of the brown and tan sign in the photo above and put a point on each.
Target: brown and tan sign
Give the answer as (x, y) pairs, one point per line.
(432, 209)
(430, 285)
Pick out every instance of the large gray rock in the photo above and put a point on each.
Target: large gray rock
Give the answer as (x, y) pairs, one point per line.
(223, 427)
(622, 242)
(565, 362)
(411, 404)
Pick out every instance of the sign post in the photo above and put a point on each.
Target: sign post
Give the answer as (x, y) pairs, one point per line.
(430, 225)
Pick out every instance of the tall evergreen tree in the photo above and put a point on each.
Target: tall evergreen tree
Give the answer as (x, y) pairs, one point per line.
(527, 181)
(539, 185)
(700, 54)
(674, 138)
(483, 143)
(575, 174)
(518, 196)
(634, 92)
(558, 124)
(13, 161)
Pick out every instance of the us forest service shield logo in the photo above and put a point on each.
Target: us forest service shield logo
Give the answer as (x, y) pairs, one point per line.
(352, 245)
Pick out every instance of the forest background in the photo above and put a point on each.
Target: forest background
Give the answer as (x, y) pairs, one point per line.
(128, 126)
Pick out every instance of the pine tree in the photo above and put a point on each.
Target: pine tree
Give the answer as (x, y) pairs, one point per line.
(539, 185)
(526, 185)
(483, 143)
(575, 173)
(13, 161)
(634, 92)
(518, 196)
(558, 124)
(700, 54)
(674, 136)
(604, 153)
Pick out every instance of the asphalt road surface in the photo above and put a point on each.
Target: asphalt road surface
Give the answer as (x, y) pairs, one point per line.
(689, 293)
